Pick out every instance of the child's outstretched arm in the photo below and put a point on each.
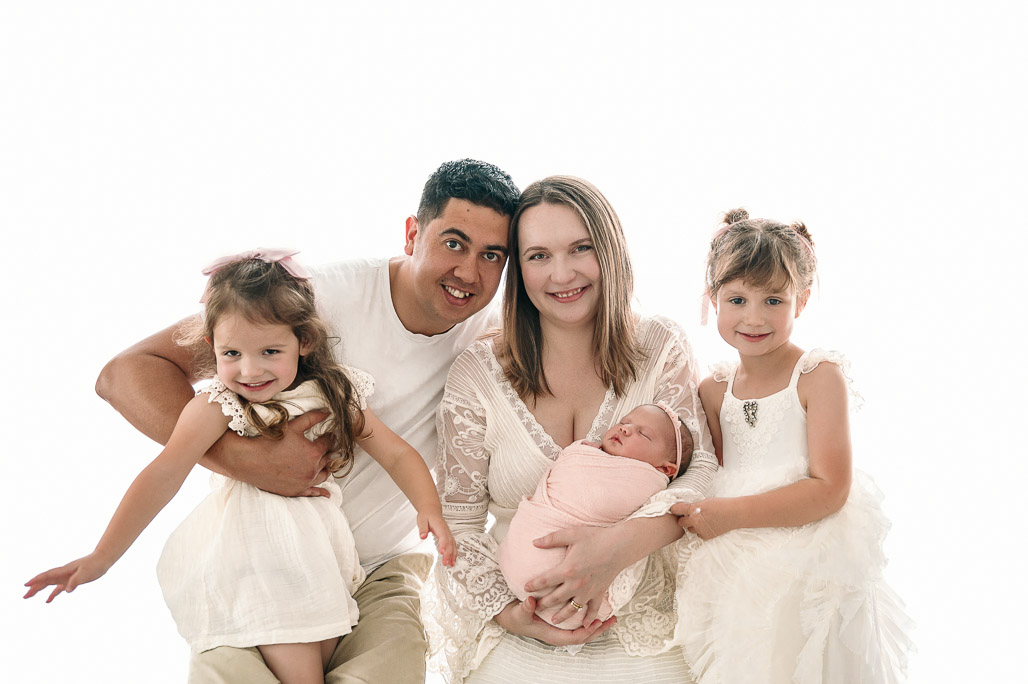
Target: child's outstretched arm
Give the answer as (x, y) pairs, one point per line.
(199, 426)
(409, 472)
(824, 394)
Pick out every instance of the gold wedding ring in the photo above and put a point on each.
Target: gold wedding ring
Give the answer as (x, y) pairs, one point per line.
(576, 606)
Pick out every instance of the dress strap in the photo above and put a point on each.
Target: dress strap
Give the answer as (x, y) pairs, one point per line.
(797, 370)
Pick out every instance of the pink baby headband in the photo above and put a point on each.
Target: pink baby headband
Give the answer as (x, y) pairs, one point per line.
(676, 421)
(283, 257)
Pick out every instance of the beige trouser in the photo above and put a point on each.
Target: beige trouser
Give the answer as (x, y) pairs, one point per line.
(386, 646)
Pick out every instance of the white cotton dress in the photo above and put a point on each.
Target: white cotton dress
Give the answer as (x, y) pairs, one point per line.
(492, 452)
(249, 568)
(799, 604)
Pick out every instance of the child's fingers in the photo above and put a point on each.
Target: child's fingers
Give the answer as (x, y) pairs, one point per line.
(57, 590)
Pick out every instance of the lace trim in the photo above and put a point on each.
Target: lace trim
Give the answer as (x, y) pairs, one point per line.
(363, 385)
(813, 358)
(484, 350)
(230, 406)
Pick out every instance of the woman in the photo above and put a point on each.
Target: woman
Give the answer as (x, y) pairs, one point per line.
(571, 360)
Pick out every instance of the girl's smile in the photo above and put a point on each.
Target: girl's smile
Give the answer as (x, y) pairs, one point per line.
(757, 320)
(256, 360)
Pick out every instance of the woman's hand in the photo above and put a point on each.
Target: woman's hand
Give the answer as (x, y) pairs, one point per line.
(433, 522)
(519, 617)
(67, 577)
(708, 518)
(589, 567)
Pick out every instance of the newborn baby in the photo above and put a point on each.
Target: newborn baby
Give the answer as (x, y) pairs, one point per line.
(597, 485)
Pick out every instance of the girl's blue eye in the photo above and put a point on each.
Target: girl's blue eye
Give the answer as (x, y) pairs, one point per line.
(269, 352)
(735, 300)
(774, 301)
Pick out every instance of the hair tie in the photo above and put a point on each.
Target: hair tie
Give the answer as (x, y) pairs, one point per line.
(281, 256)
(676, 421)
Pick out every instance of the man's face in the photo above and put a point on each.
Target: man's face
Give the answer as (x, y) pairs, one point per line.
(455, 263)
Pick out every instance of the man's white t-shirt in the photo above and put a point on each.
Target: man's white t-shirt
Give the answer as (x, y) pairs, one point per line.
(409, 371)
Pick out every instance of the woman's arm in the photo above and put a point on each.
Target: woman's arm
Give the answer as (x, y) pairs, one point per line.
(810, 499)
(149, 384)
(198, 427)
(408, 471)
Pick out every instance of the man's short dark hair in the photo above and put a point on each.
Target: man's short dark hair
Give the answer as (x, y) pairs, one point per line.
(476, 181)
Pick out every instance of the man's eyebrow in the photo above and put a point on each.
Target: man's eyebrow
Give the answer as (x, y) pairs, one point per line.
(466, 238)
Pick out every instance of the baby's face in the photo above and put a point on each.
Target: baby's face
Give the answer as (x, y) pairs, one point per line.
(645, 434)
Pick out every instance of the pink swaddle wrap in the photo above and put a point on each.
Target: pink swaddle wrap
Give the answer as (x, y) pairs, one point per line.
(584, 486)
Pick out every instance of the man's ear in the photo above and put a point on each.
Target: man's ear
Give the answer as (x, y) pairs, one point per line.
(801, 302)
(410, 232)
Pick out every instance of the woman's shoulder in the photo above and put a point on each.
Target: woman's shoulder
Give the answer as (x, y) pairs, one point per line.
(658, 329)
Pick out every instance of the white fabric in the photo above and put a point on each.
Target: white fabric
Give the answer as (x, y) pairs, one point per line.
(249, 568)
(492, 452)
(409, 371)
(804, 604)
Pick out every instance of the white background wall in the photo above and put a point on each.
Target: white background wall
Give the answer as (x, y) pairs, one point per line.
(140, 139)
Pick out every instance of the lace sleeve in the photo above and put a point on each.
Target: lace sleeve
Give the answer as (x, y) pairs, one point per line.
(363, 385)
(678, 386)
(460, 601)
(230, 406)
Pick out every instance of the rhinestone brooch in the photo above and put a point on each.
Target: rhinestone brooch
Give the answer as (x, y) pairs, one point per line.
(749, 412)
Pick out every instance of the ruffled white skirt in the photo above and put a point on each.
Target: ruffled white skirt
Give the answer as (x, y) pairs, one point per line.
(805, 605)
(249, 568)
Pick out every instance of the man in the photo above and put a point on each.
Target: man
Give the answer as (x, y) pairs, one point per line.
(403, 320)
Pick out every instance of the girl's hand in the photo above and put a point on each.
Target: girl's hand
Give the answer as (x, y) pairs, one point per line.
(67, 577)
(519, 618)
(587, 570)
(433, 522)
(706, 519)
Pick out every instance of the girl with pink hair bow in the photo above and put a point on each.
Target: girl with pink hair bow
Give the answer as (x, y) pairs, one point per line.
(250, 568)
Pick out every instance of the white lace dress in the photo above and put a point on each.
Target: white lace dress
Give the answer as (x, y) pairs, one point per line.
(492, 452)
(248, 568)
(799, 604)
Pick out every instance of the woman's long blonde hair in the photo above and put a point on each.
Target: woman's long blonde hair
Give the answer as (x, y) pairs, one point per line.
(520, 349)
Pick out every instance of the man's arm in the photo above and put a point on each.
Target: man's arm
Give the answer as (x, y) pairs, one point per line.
(149, 384)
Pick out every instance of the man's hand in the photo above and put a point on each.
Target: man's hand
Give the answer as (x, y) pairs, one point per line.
(291, 466)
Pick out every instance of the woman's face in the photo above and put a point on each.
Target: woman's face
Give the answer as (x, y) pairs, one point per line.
(558, 265)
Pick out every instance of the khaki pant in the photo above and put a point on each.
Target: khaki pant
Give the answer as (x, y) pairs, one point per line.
(387, 646)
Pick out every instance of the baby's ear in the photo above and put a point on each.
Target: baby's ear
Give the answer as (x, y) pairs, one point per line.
(669, 469)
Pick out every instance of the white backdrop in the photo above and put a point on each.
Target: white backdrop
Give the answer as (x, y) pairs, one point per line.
(140, 139)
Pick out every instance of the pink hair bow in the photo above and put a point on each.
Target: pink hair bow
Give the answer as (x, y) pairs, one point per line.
(283, 257)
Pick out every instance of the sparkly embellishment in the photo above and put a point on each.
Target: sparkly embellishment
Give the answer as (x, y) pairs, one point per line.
(749, 412)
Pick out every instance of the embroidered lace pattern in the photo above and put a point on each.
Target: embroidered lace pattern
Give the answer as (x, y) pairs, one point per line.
(230, 406)
(492, 452)
(363, 386)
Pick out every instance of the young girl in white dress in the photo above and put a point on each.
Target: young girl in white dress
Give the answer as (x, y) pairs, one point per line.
(787, 584)
(249, 568)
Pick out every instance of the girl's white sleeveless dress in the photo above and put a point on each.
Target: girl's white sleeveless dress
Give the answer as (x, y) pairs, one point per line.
(248, 568)
(801, 604)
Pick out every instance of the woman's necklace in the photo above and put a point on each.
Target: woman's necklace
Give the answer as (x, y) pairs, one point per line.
(749, 412)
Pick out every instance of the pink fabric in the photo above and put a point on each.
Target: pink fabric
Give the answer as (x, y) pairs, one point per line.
(283, 257)
(584, 486)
